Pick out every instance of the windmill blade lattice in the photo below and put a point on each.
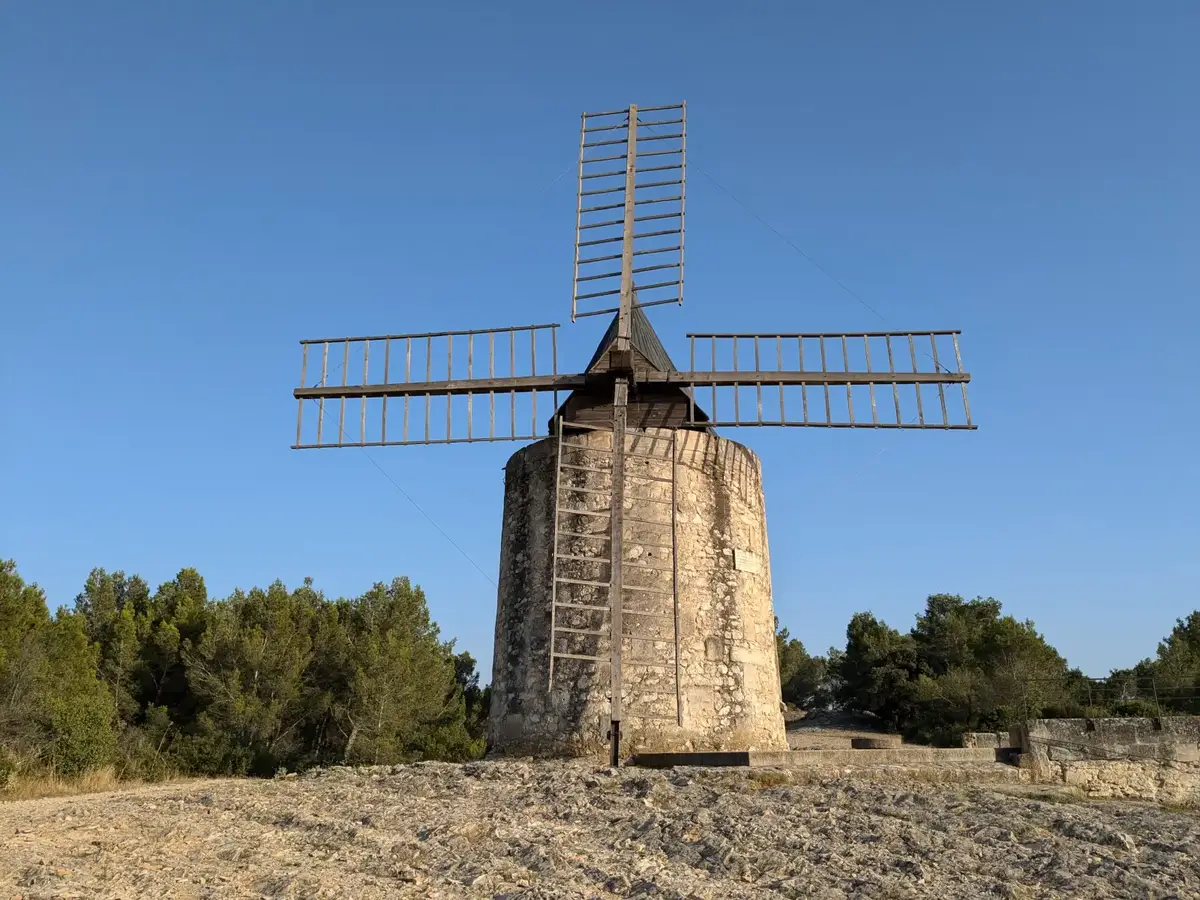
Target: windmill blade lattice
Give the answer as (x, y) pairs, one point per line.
(635, 156)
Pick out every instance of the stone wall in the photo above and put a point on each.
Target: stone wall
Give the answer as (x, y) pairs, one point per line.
(995, 739)
(1135, 758)
(729, 682)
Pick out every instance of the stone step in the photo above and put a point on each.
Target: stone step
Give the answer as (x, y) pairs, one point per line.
(790, 759)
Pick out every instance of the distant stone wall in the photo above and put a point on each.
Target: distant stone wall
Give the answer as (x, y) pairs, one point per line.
(1135, 758)
(729, 679)
(993, 739)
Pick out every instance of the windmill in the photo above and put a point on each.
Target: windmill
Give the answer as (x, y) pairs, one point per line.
(615, 439)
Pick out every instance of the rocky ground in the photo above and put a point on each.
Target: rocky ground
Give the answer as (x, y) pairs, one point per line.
(550, 829)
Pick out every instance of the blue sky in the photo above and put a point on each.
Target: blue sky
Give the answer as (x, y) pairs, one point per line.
(186, 190)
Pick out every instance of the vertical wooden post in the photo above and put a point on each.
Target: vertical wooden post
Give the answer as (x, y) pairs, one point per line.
(620, 409)
(362, 423)
(616, 591)
(387, 363)
(675, 573)
(626, 306)
(554, 553)
(321, 402)
(300, 407)
(342, 413)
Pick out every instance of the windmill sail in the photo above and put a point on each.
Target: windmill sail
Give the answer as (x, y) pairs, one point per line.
(442, 387)
(632, 188)
(884, 379)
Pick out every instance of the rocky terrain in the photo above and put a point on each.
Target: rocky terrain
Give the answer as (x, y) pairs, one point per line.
(521, 829)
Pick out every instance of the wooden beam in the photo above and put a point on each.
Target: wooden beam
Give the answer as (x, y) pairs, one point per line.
(521, 383)
(572, 381)
(751, 378)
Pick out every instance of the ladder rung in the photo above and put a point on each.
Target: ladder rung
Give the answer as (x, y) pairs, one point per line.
(602, 535)
(573, 446)
(603, 584)
(585, 512)
(585, 447)
(648, 665)
(630, 612)
(558, 655)
(583, 426)
(583, 490)
(644, 499)
(591, 606)
(629, 563)
(600, 633)
(649, 477)
(666, 639)
(647, 456)
(646, 590)
(647, 522)
(595, 559)
(588, 469)
(648, 544)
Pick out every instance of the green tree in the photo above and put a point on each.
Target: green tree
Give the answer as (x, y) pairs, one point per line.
(404, 701)
(877, 670)
(247, 672)
(263, 679)
(53, 707)
(478, 700)
(951, 632)
(963, 667)
(803, 678)
(75, 707)
(175, 617)
(1175, 670)
(329, 675)
(24, 621)
(114, 610)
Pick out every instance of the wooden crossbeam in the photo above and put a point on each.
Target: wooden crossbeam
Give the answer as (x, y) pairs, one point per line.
(570, 382)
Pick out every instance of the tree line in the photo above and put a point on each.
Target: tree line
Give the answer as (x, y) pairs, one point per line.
(175, 681)
(964, 666)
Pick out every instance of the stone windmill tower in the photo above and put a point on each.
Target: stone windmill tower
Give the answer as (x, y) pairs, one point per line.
(634, 599)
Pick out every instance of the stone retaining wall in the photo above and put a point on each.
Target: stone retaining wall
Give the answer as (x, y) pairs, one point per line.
(996, 739)
(1132, 758)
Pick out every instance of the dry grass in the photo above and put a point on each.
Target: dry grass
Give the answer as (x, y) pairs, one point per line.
(36, 785)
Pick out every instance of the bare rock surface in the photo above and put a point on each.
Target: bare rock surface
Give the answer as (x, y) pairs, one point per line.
(532, 830)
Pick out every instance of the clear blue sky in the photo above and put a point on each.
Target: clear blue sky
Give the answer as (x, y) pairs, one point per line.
(188, 189)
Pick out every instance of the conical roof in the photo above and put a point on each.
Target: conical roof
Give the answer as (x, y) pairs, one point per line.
(650, 405)
(643, 338)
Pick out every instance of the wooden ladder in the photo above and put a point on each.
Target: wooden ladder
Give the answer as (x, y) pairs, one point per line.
(583, 593)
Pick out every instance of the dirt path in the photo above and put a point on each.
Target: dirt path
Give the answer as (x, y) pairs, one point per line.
(550, 830)
(827, 730)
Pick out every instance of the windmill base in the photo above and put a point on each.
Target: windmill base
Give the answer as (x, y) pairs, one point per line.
(726, 694)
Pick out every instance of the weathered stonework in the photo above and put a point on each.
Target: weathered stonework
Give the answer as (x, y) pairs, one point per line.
(1131, 758)
(729, 679)
(995, 739)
